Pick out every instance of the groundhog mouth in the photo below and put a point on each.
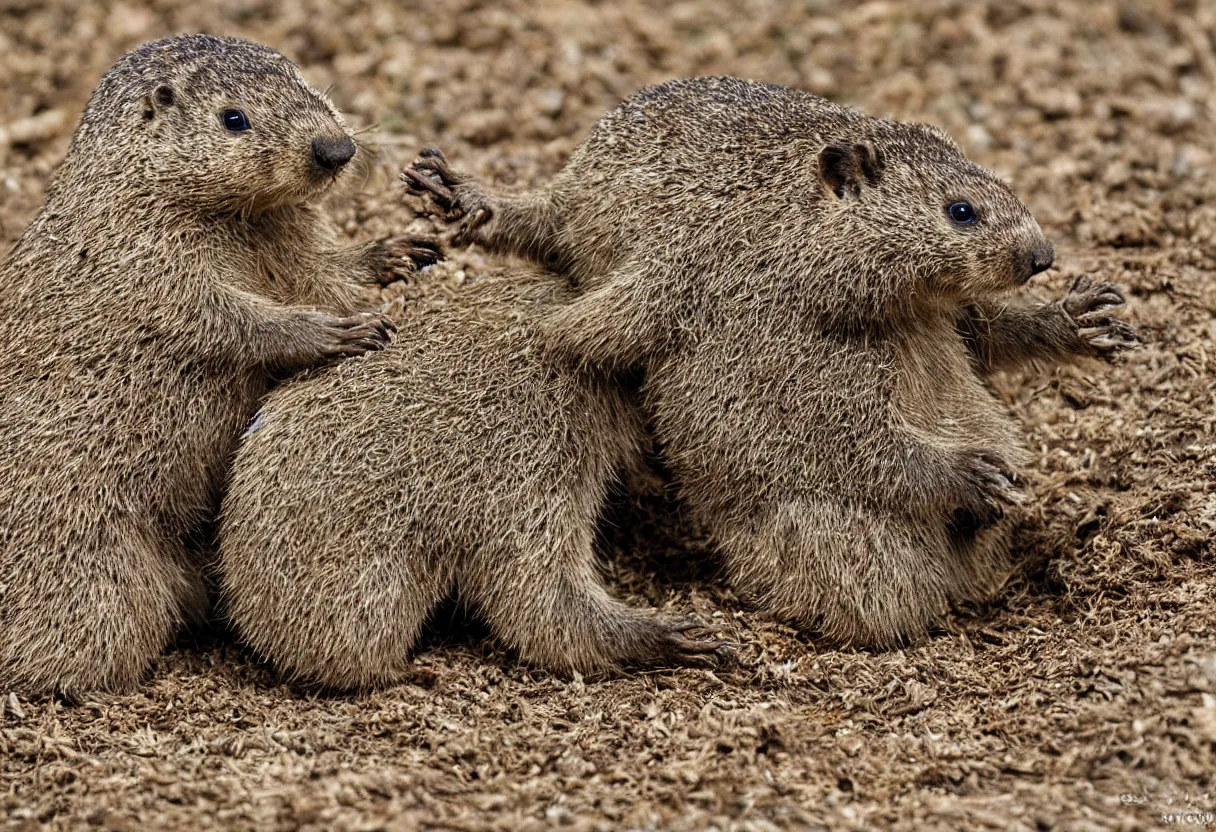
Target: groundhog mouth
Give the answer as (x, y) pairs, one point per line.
(320, 182)
(327, 166)
(312, 186)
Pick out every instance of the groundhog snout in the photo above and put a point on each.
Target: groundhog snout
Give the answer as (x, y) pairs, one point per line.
(1042, 255)
(331, 154)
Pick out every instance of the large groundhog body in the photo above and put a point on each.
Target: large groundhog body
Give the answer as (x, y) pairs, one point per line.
(461, 459)
(810, 292)
(172, 273)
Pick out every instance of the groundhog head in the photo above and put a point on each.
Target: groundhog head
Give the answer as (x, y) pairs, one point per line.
(220, 123)
(907, 200)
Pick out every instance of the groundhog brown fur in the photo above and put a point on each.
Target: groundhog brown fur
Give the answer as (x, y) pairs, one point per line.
(460, 459)
(814, 297)
(179, 264)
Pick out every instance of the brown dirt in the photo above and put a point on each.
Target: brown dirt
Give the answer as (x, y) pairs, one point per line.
(1083, 697)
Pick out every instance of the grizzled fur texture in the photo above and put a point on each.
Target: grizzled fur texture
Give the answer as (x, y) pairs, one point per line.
(174, 271)
(459, 459)
(814, 328)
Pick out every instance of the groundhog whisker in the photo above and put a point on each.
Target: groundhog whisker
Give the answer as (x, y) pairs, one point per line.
(370, 151)
(364, 165)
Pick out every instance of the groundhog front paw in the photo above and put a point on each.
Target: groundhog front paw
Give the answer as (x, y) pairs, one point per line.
(1110, 336)
(670, 646)
(353, 335)
(993, 487)
(399, 258)
(1089, 305)
(461, 200)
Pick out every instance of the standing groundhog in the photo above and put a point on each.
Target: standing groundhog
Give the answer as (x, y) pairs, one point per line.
(463, 459)
(174, 270)
(814, 296)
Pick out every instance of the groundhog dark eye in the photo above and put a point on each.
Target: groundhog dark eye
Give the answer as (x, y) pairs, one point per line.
(962, 213)
(235, 120)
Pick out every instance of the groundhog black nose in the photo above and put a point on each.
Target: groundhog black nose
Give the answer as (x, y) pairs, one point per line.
(1041, 257)
(331, 154)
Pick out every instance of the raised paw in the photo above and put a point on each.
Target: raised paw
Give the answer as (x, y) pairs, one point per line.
(354, 335)
(455, 193)
(398, 258)
(1089, 305)
(431, 175)
(1086, 298)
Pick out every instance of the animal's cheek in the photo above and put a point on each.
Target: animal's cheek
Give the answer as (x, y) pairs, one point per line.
(999, 270)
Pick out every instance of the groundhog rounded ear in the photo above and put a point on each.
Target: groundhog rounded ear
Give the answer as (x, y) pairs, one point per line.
(870, 161)
(159, 99)
(164, 96)
(839, 170)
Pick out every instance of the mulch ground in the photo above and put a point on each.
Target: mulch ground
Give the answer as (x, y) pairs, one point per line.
(1083, 697)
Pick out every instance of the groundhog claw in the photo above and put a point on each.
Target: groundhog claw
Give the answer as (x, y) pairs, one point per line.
(358, 334)
(661, 643)
(431, 173)
(995, 487)
(423, 252)
(1087, 298)
(1108, 336)
(1089, 305)
(679, 650)
(431, 160)
(480, 216)
(422, 184)
(398, 258)
(474, 220)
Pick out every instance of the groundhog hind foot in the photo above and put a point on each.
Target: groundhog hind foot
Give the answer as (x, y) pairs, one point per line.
(666, 644)
(400, 258)
(455, 193)
(1089, 305)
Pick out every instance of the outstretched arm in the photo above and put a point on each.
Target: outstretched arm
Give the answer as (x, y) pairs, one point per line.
(1001, 336)
(240, 330)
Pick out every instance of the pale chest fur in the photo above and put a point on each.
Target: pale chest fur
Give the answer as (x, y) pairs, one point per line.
(291, 258)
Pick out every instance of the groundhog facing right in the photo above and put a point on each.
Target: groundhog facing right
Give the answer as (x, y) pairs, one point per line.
(815, 297)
